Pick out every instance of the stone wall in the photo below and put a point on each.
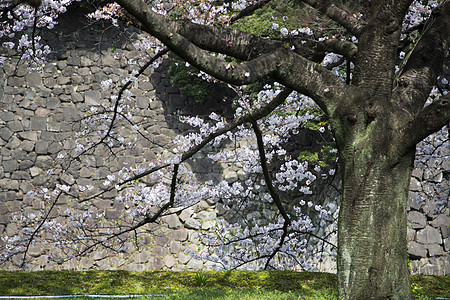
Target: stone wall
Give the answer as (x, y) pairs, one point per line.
(39, 113)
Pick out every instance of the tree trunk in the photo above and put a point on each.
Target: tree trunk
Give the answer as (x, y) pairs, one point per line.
(372, 255)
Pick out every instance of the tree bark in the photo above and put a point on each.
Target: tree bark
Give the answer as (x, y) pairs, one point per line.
(372, 254)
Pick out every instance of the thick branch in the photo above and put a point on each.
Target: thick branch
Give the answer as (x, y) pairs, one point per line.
(239, 44)
(337, 14)
(345, 48)
(429, 120)
(314, 81)
(166, 31)
(425, 63)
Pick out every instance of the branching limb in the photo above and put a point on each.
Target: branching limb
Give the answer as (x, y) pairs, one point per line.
(166, 31)
(116, 105)
(345, 48)
(429, 120)
(337, 14)
(148, 219)
(425, 63)
(36, 231)
(232, 42)
(313, 80)
(255, 115)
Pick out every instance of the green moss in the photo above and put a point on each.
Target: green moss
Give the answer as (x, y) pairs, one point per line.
(191, 86)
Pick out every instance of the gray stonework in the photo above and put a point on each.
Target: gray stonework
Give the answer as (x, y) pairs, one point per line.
(38, 121)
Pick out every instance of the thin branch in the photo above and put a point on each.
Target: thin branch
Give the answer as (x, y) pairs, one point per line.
(267, 177)
(148, 219)
(116, 106)
(280, 244)
(36, 231)
(255, 115)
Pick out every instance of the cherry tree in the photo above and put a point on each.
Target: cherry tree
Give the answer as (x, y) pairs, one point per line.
(372, 81)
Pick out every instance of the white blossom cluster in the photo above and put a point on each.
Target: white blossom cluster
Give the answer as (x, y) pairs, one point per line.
(22, 17)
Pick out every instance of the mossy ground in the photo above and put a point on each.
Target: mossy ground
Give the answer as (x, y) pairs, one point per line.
(194, 285)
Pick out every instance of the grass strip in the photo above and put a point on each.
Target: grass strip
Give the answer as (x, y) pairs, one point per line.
(193, 285)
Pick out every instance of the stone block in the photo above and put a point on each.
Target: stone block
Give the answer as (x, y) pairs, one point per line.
(38, 123)
(10, 165)
(180, 235)
(415, 185)
(21, 175)
(416, 220)
(435, 250)
(417, 250)
(142, 102)
(16, 81)
(67, 179)
(161, 240)
(3, 209)
(28, 135)
(5, 133)
(433, 175)
(155, 263)
(194, 264)
(186, 214)
(208, 224)
(14, 143)
(192, 223)
(158, 251)
(33, 79)
(92, 97)
(41, 147)
(231, 177)
(25, 164)
(50, 82)
(53, 103)
(445, 232)
(202, 205)
(15, 126)
(70, 114)
(62, 80)
(85, 172)
(429, 235)
(174, 247)
(413, 202)
(183, 258)
(169, 261)
(6, 116)
(140, 257)
(172, 221)
(442, 220)
(34, 251)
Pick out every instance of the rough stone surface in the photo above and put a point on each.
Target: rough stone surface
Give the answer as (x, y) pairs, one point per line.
(429, 235)
(417, 250)
(416, 220)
